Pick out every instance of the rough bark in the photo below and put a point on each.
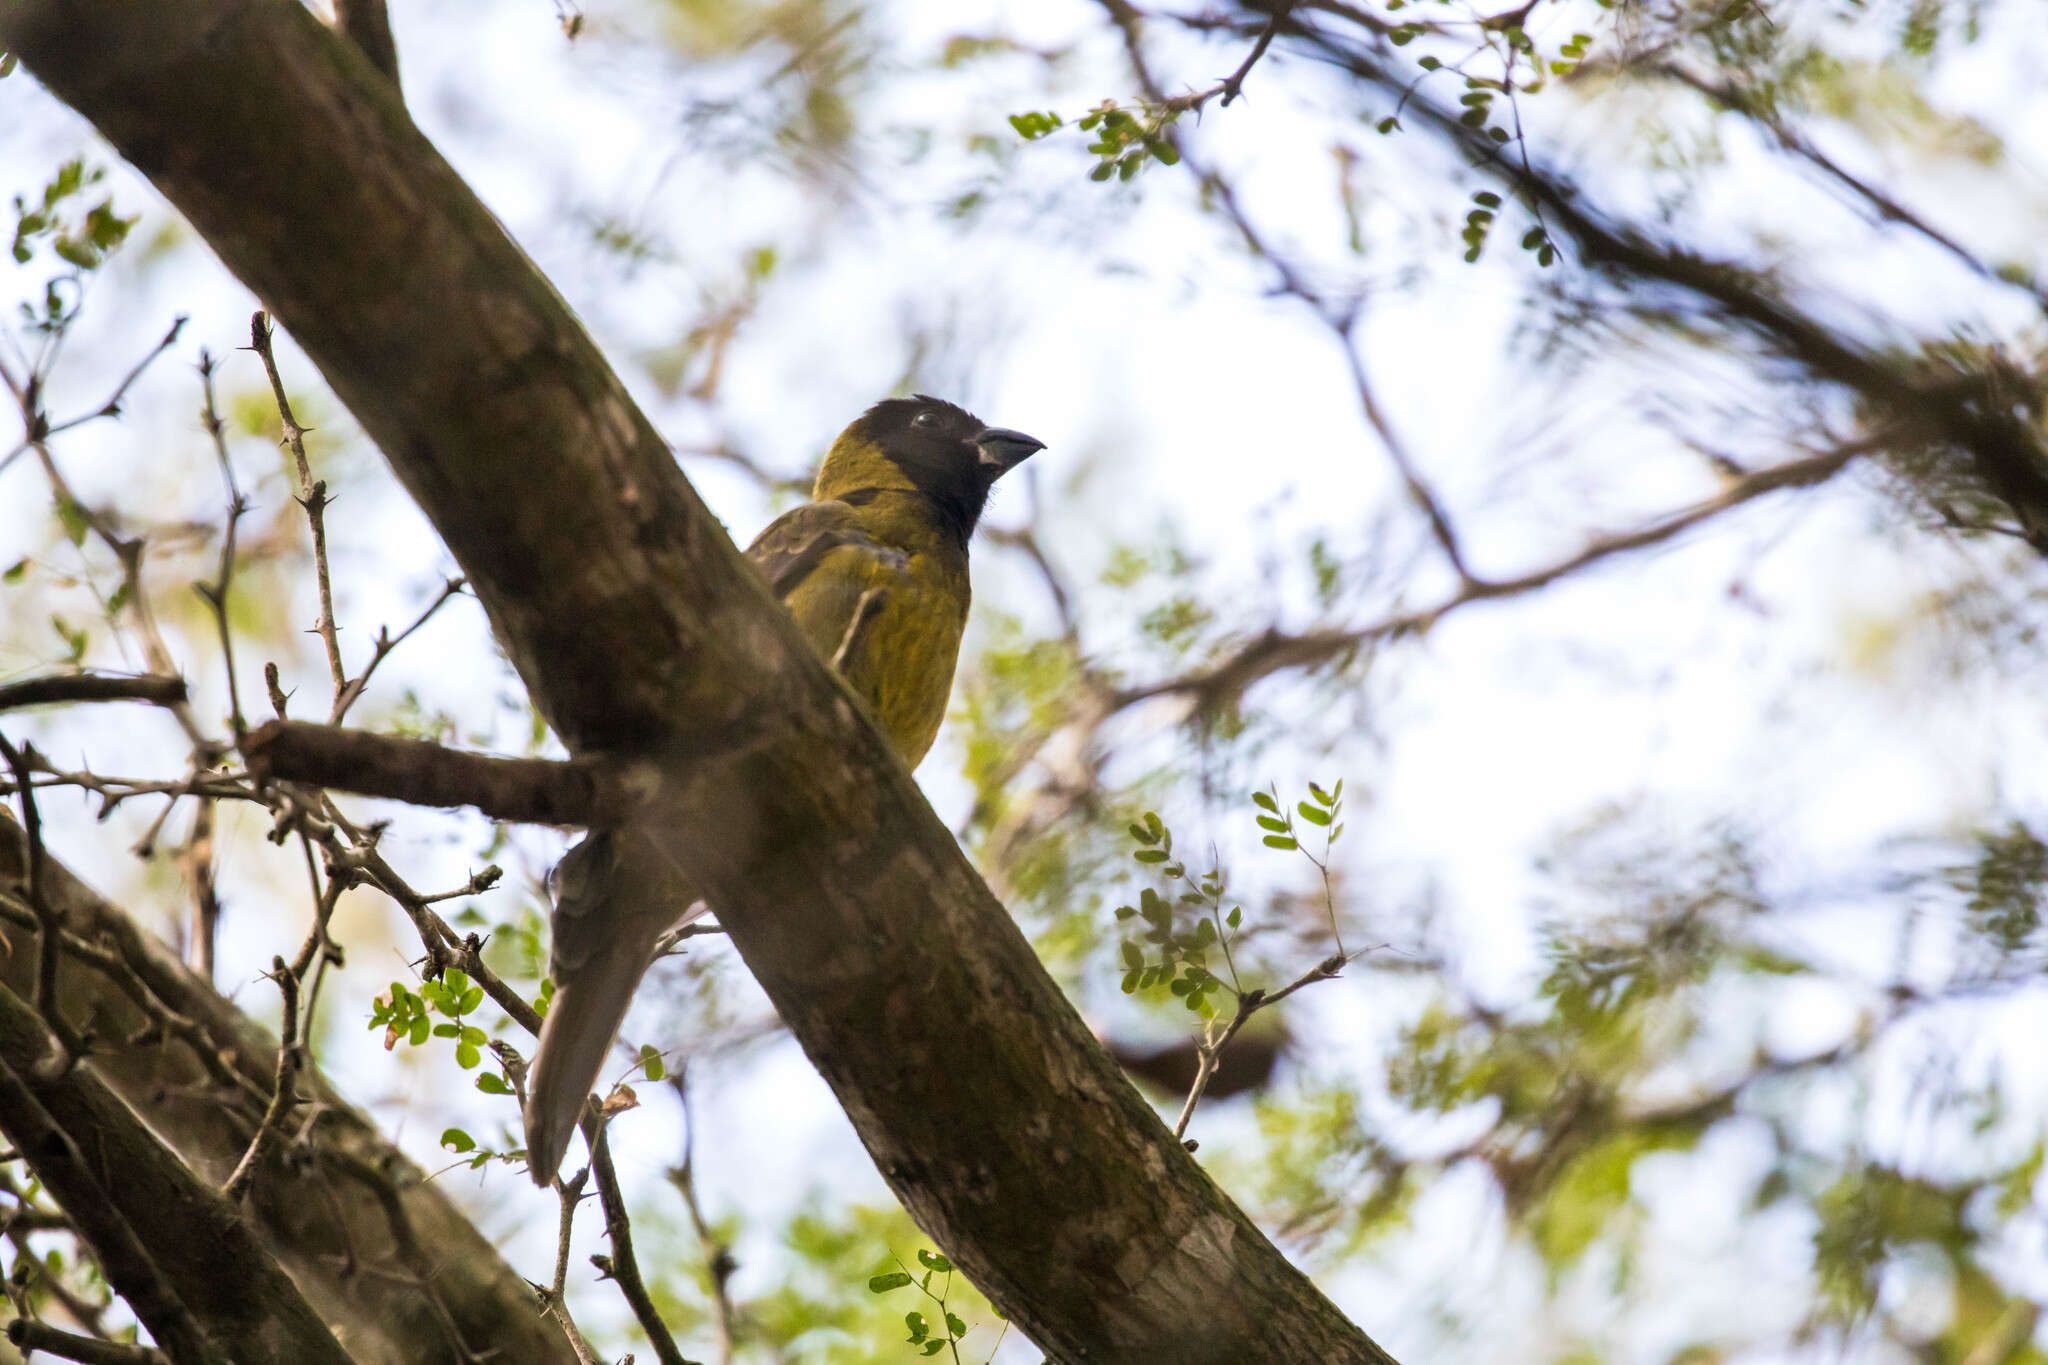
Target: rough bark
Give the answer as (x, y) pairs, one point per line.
(395, 1269)
(639, 630)
(171, 1245)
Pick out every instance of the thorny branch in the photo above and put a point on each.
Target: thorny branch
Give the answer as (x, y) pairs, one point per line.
(623, 1266)
(40, 428)
(292, 1046)
(312, 496)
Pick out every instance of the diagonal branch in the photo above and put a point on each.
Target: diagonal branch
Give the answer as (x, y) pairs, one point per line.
(1222, 683)
(197, 1071)
(184, 1258)
(641, 632)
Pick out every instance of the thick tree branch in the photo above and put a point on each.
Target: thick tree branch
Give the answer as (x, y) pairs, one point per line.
(639, 629)
(368, 25)
(197, 1071)
(539, 791)
(173, 1248)
(28, 1335)
(76, 687)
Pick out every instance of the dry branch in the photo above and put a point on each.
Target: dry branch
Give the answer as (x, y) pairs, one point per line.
(423, 773)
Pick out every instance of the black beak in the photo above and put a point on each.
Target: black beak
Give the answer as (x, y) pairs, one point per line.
(1005, 449)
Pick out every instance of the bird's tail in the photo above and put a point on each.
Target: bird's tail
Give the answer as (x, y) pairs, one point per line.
(613, 906)
(583, 1018)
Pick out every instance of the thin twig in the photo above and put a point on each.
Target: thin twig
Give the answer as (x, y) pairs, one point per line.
(109, 407)
(216, 593)
(1248, 1004)
(718, 1262)
(386, 642)
(1233, 84)
(291, 1048)
(622, 1265)
(312, 497)
(1275, 651)
(197, 859)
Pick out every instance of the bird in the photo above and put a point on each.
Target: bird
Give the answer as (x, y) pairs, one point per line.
(874, 568)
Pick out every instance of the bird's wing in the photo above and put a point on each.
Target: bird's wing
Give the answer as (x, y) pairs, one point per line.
(795, 543)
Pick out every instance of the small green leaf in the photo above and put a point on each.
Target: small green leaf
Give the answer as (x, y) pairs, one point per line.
(1315, 815)
(1150, 855)
(882, 1284)
(932, 1260)
(650, 1062)
(491, 1083)
(1133, 956)
(1268, 822)
(1235, 917)
(467, 1056)
(934, 1346)
(955, 1325)
(16, 571)
(455, 1140)
(1265, 801)
(72, 518)
(1280, 841)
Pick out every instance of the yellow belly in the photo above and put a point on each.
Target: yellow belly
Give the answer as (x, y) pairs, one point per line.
(900, 662)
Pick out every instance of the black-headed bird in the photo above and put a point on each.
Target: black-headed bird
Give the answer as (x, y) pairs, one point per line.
(874, 568)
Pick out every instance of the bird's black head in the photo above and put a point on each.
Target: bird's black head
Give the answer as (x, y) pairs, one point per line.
(942, 450)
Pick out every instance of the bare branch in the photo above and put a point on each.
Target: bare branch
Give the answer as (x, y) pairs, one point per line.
(623, 1266)
(312, 497)
(90, 687)
(542, 791)
(718, 1261)
(386, 642)
(26, 1335)
(1223, 682)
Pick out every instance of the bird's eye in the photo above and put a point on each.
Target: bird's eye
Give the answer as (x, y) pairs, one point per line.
(925, 419)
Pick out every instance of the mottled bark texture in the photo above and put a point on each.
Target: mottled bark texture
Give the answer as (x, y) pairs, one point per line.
(639, 630)
(169, 1243)
(394, 1268)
